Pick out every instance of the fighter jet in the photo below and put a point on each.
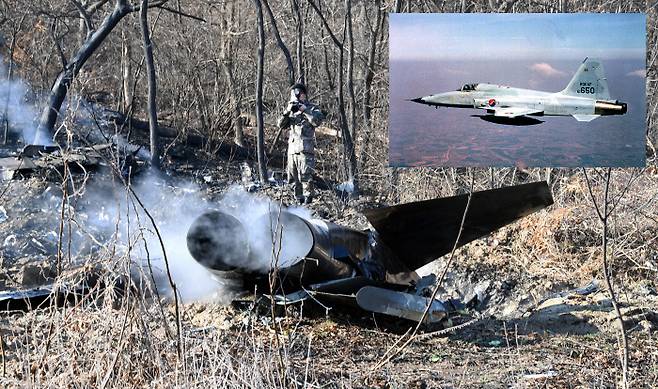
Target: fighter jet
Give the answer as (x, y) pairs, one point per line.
(297, 259)
(586, 97)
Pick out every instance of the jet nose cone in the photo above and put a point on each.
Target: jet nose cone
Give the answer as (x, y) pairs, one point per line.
(418, 100)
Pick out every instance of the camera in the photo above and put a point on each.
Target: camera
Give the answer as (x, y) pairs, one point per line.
(294, 107)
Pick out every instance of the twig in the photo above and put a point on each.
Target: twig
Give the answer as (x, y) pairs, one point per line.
(2, 354)
(449, 330)
(308, 358)
(603, 218)
(129, 309)
(169, 277)
(181, 13)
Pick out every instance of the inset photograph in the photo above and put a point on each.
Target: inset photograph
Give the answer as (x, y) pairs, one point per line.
(524, 90)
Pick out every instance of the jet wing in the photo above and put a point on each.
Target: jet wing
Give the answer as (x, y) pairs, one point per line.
(512, 112)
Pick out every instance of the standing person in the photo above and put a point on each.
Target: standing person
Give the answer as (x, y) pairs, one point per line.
(302, 117)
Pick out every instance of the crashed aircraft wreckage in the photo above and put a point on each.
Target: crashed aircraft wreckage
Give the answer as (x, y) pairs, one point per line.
(374, 270)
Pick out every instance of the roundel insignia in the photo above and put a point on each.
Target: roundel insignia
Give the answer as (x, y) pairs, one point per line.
(491, 102)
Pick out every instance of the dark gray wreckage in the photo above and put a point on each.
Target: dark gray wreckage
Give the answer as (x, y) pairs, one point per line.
(373, 269)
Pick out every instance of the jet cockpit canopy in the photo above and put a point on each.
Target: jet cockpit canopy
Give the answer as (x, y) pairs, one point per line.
(467, 88)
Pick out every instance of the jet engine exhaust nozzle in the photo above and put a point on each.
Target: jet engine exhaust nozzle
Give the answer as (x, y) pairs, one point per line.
(218, 241)
(610, 108)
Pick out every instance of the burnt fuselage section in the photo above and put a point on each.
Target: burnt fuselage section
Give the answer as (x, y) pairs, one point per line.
(301, 251)
(304, 251)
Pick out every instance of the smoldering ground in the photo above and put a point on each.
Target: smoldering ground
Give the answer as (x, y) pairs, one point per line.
(103, 219)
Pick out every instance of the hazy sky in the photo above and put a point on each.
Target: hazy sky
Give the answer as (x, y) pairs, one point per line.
(516, 36)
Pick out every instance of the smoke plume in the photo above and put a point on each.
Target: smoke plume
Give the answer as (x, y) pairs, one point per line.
(19, 114)
(106, 212)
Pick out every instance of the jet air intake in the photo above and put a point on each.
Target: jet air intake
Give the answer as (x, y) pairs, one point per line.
(610, 107)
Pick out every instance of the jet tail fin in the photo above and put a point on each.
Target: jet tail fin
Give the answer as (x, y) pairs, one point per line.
(423, 231)
(589, 81)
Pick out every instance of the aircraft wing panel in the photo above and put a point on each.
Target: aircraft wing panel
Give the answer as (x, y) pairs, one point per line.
(512, 112)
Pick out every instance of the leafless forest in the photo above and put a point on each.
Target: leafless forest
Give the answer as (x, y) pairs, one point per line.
(199, 86)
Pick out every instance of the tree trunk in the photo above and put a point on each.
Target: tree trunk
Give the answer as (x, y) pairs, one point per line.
(370, 66)
(66, 76)
(150, 71)
(299, 29)
(562, 5)
(260, 141)
(126, 78)
(10, 71)
(279, 42)
(227, 55)
(348, 143)
(350, 67)
(368, 78)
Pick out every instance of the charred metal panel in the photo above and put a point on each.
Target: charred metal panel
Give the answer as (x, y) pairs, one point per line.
(420, 232)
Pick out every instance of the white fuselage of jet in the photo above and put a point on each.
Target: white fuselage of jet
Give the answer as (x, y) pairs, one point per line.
(585, 98)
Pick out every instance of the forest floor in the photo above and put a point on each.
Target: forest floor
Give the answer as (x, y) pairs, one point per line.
(548, 322)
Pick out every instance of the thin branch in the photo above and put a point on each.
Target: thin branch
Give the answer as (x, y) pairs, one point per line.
(155, 4)
(85, 16)
(589, 188)
(58, 44)
(326, 25)
(91, 9)
(181, 13)
(616, 202)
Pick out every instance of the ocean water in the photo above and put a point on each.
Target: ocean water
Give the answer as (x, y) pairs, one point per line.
(420, 135)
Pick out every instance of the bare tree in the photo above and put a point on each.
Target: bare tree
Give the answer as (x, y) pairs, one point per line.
(369, 74)
(350, 66)
(260, 145)
(299, 43)
(150, 70)
(279, 42)
(72, 68)
(74, 65)
(228, 55)
(348, 143)
(609, 205)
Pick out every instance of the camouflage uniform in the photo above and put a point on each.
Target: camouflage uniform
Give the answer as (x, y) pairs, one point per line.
(301, 147)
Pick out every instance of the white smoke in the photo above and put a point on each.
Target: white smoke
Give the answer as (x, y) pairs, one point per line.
(108, 215)
(273, 242)
(174, 204)
(19, 113)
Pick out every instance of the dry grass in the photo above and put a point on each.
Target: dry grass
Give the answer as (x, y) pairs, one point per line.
(91, 346)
